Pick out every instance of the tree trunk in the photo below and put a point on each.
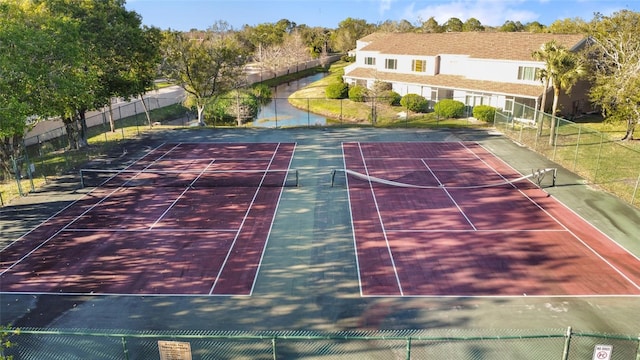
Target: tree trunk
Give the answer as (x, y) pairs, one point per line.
(200, 109)
(631, 127)
(84, 130)
(71, 126)
(9, 148)
(552, 133)
(238, 117)
(112, 123)
(146, 111)
(543, 102)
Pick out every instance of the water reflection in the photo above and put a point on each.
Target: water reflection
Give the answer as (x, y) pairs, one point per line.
(278, 112)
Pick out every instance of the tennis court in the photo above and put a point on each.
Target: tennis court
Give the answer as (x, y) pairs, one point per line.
(446, 219)
(185, 219)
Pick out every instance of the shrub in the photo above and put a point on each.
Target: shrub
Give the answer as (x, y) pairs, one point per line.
(358, 93)
(347, 58)
(449, 108)
(390, 98)
(262, 92)
(484, 112)
(415, 103)
(337, 91)
(216, 114)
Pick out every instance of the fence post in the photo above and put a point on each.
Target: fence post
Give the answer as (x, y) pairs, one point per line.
(29, 165)
(16, 173)
(408, 349)
(567, 341)
(633, 197)
(575, 158)
(555, 139)
(273, 348)
(595, 175)
(125, 351)
(275, 110)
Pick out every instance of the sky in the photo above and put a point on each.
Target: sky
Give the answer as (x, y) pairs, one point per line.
(184, 15)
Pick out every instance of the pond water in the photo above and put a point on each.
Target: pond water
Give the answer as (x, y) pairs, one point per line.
(278, 112)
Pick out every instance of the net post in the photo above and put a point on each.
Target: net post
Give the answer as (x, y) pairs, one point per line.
(81, 179)
(296, 170)
(333, 176)
(555, 175)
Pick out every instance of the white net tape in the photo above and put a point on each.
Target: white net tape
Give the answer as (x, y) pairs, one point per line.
(537, 176)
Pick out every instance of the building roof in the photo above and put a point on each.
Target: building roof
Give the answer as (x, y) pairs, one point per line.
(482, 45)
(450, 82)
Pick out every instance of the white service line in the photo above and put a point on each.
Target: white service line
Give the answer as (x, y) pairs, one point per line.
(68, 224)
(449, 195)
(244, 219)
(384, 230)
(597, 254)
(180, 196)
(275, 211)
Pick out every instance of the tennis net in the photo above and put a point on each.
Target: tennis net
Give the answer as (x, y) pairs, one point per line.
(188, 178)
(540, 177)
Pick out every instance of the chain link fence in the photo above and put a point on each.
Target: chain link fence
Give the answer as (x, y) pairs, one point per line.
(468, 344)
(594, 155)
(48, 153)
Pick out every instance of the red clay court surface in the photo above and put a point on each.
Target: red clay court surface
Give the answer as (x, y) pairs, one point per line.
(445, 240)
(153, 240)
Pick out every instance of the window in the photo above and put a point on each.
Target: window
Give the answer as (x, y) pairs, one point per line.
(508, 105)
(419, 65)
(369, 61)
(528, 73)
(391, 64)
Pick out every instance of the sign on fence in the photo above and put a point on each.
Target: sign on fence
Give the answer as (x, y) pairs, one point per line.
(174, 350)
(602, 352)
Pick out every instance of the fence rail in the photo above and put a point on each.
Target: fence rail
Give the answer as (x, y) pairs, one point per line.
(564, 344)
(591, 154)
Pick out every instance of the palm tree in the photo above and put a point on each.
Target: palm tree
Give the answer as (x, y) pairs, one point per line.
(546, 52)
(566, 69)
(562, 69)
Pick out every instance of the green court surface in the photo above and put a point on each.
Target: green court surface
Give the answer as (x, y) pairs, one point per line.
(308, 276)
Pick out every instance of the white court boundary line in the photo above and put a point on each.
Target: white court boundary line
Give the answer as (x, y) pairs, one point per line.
(151, 229)
(579, 239)
(67, 225)
(273, 218)
(146, 229)
(384, 231)
(242, 223)
(510, 182)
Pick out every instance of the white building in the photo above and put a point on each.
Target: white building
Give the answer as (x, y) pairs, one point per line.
(490, 68)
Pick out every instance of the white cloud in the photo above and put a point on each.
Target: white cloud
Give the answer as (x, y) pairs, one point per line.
(489, 12)
(384, 6)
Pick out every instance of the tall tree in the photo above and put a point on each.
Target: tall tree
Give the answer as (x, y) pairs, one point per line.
(534, 27)
(568, 26)
(348, 32)
(453, 25)
(563, 68)
(614, 54)
(472, 24)
(431, 26)
(545, 53)
(21, 40)
(511, 26)
(205, 67)
(116, 59)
